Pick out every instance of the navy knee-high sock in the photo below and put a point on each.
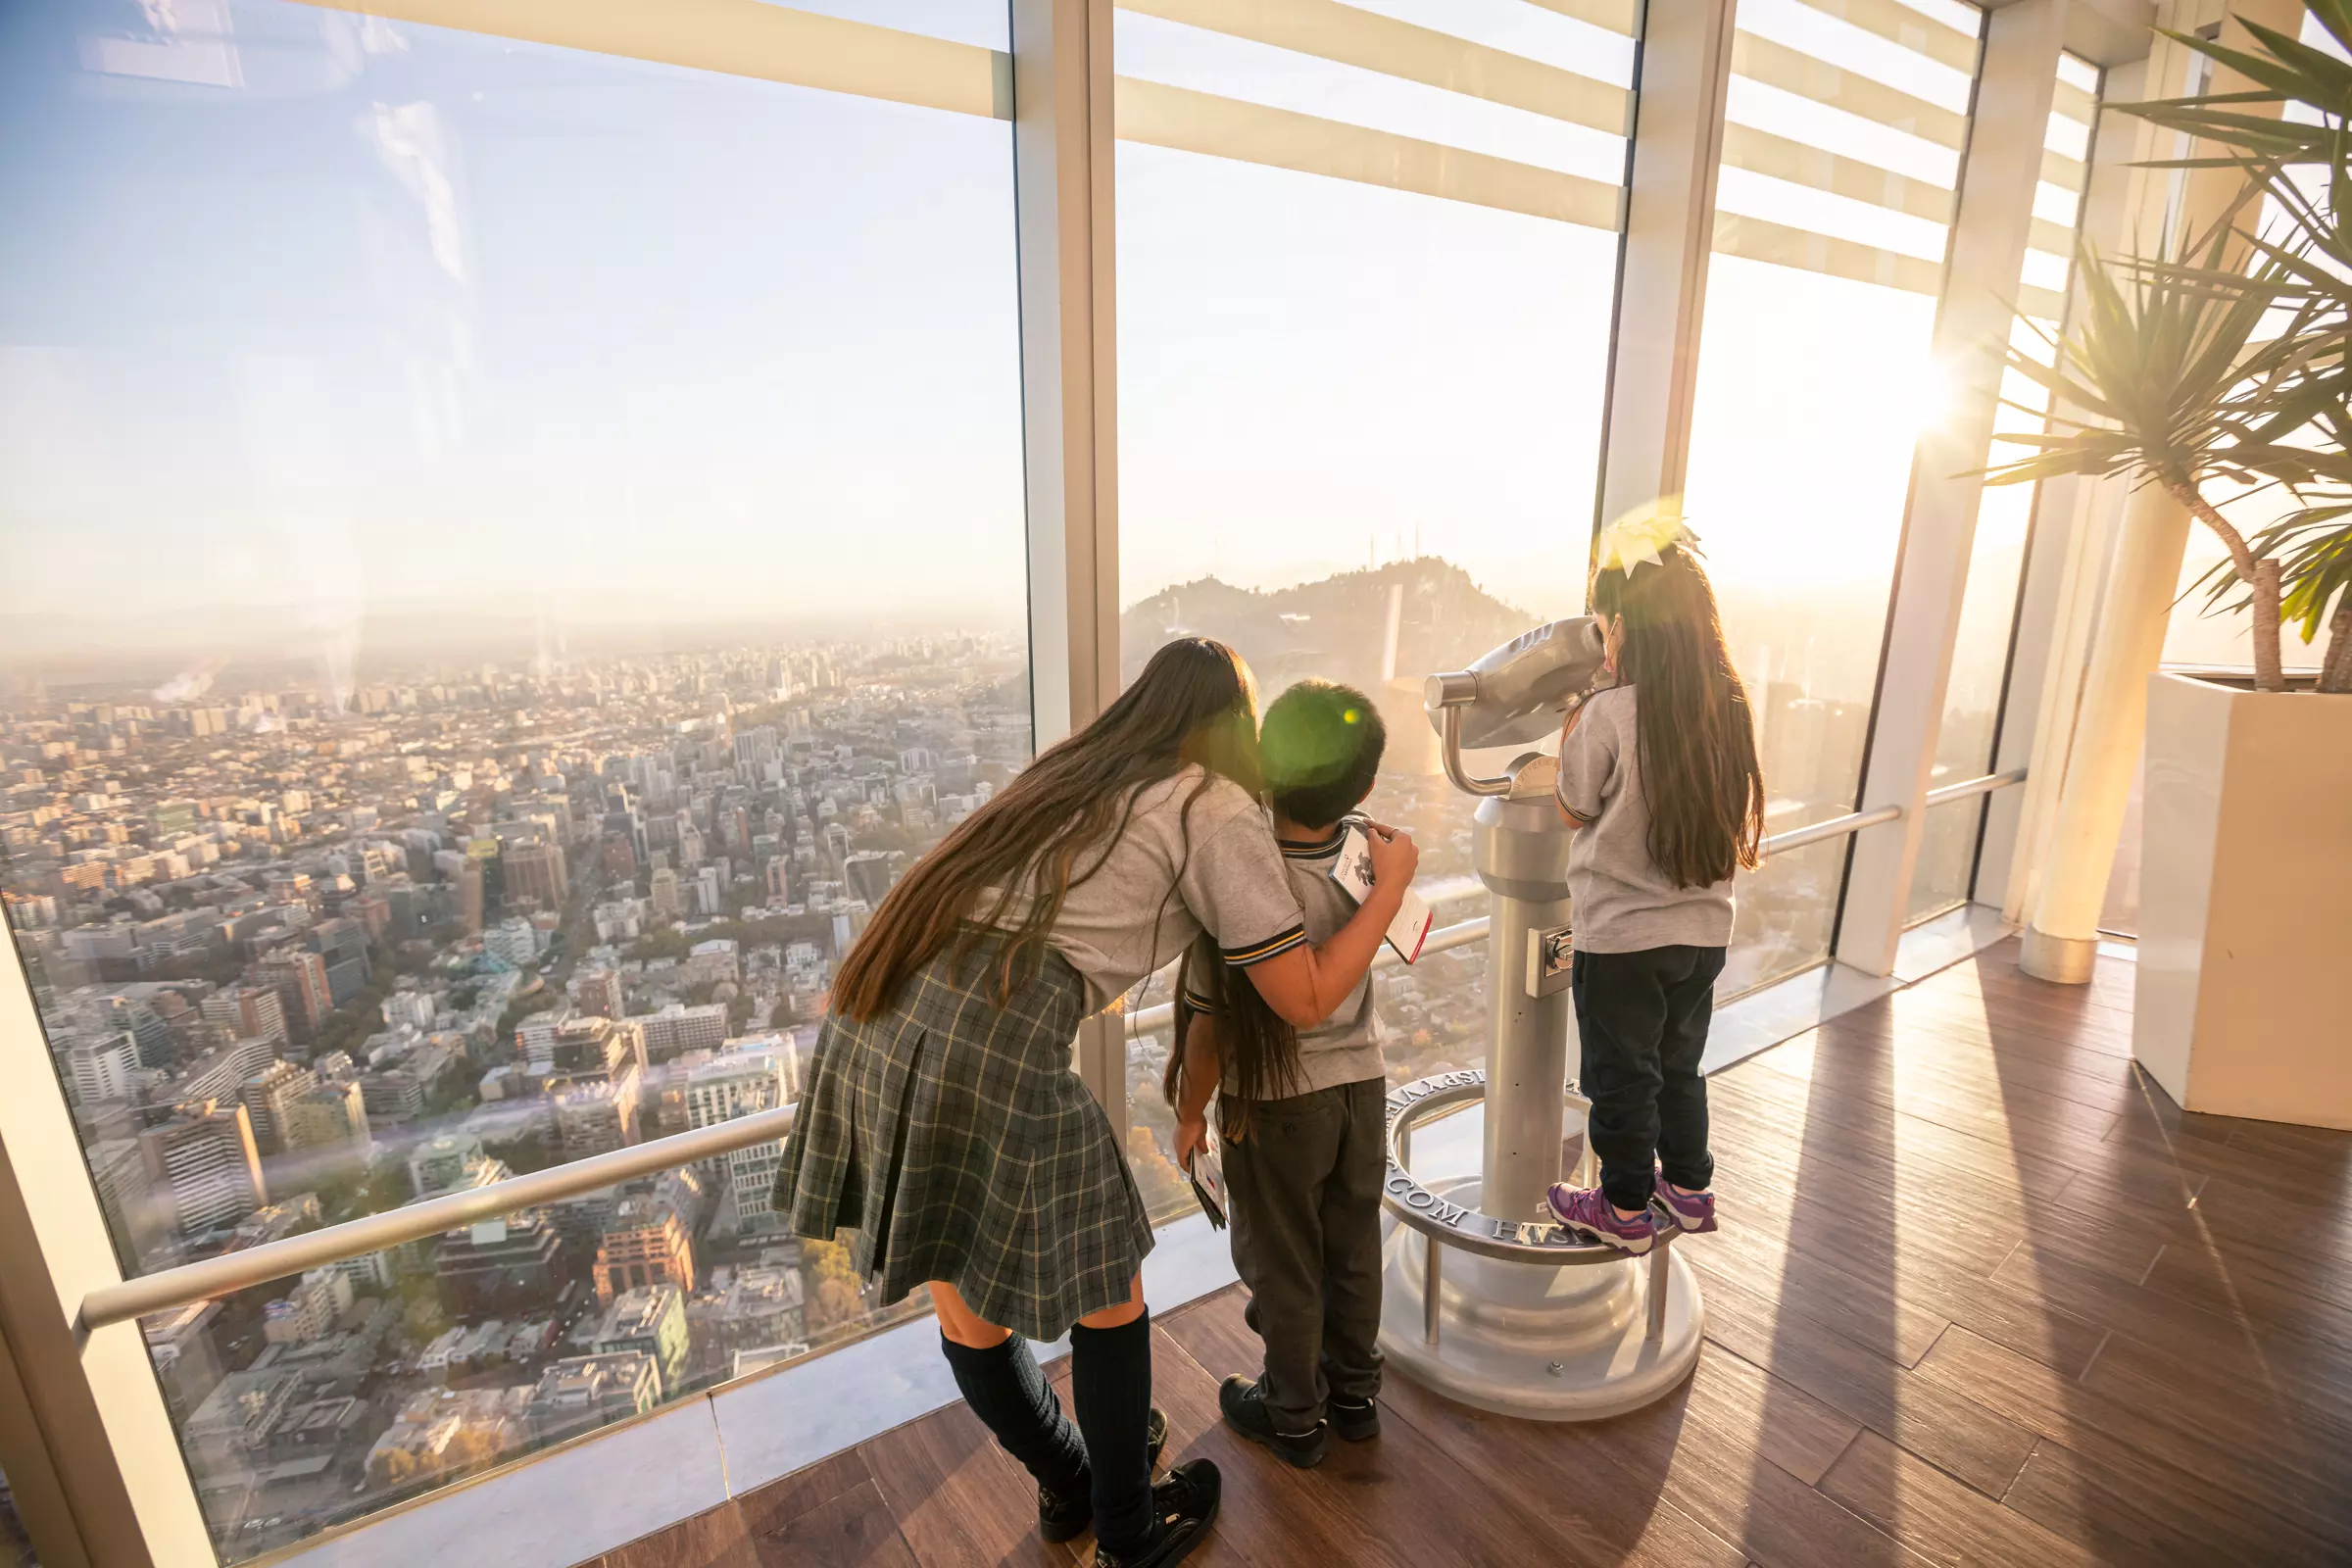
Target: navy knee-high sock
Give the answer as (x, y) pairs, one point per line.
(1008, 1392)
(1110, 1389)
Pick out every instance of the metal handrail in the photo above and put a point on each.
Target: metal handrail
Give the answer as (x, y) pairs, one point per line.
(1837, 827)
(1975, 786)
(1475, 930)
(415, 1222)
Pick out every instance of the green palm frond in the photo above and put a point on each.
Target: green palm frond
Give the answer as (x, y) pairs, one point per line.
(2167, 371)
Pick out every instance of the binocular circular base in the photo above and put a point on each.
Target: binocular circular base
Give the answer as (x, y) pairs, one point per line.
(1567, 1343)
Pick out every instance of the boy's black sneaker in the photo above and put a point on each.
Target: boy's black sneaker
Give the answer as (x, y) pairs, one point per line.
(1183, 1507)
(1059, 1518)
(1358, 1423)
(1243, 1401)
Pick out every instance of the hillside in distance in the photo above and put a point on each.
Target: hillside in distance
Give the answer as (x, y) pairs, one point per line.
(1335, 628)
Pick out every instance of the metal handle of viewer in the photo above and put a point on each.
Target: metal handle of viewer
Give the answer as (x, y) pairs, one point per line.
(1448, 694)
(281, 1259)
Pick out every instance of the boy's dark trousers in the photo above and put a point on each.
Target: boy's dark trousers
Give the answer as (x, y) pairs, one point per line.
(1306, 1188)
(1643, 1017)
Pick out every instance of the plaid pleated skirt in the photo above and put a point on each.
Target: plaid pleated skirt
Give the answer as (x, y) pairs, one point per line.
(953, 1136)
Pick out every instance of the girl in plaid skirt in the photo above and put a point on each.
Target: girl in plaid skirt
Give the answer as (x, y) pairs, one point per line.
(943, 1123)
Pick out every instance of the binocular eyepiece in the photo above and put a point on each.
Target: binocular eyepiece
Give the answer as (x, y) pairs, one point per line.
(1518, 694)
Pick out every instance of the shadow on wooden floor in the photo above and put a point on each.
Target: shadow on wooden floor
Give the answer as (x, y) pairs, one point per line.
(1983, 1294)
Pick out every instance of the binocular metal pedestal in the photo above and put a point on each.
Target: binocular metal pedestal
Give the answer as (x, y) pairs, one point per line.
(1486, 1299)
(1521, 1317)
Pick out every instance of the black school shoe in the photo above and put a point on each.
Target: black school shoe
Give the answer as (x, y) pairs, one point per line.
(1243, 1401)
(1358, 1423)
(1059, 1518)
(1183, 1507)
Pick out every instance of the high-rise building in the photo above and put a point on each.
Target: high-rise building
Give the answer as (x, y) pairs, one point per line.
(220, 1074)
(270, 1096)
(621, 856)
(308, 1311)
(579, 1044)
(667, 898)
(331, 1116)
(514, 942)
(147, 1028)
(598, 992)
(513, 1264)
(679, 1028)
(253, 1011)
(596, 1118)
(179, 1344)
(300, 980)
(645, 1244)
(536, 872)
(343, 945)
(652, 1321)
(776, 877)
(135, 1215)
(469, 897)
(444, 1164)
(868, 874)
(374, 915)
(98, 1068)
(737, 1083)
(204, 1160)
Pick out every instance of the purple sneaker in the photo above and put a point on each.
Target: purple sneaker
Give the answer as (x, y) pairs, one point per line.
(1589, 1213)
(1693, 1213)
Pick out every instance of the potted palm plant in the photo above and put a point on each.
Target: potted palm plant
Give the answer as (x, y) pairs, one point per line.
(2222, 362)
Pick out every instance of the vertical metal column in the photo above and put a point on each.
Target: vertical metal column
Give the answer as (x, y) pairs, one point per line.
(1520, 850)
(1062, 183)
(1992, 220)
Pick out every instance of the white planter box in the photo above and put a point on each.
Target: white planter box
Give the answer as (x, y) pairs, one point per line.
(2241, 1005)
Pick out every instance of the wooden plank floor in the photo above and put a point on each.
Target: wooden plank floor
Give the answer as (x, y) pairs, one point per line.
(1983, 1294)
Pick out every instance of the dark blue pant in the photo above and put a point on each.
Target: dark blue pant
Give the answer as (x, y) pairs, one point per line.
(1643, 1017)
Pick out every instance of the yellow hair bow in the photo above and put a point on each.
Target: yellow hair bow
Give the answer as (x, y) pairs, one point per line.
(1640, 535)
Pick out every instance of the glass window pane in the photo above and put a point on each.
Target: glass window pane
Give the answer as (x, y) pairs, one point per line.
(1365, 278)
(1964, 743)
(509, 550)
(1841, 155)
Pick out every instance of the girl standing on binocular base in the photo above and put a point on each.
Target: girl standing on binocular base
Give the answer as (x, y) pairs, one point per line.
(1659, 773)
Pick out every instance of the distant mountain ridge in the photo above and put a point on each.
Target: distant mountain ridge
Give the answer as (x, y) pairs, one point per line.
(1335, 628)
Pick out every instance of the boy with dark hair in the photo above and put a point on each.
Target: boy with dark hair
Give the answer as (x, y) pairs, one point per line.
(1301, 1115)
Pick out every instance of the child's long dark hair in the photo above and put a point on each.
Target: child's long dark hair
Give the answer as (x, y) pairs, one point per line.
(1260, 1049)
(1696, 732)
(1058, 821)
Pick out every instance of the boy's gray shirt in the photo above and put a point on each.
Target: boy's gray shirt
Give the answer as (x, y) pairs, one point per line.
(1344, 1048)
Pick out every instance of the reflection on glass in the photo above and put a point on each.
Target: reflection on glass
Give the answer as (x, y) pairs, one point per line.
(1365, 285)
(492, 541)
(1840, 157)
(1964, 743)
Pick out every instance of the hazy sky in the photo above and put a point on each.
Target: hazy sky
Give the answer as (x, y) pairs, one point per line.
(415, 313)
(411, 315)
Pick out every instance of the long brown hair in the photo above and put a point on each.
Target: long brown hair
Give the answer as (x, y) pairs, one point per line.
(1195, 702)
(1696, 729)
(1259, 1047)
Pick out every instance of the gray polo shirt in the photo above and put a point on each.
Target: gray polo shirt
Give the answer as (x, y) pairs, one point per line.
(1197, 854)
(1620, 902)
(1344, 1048)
